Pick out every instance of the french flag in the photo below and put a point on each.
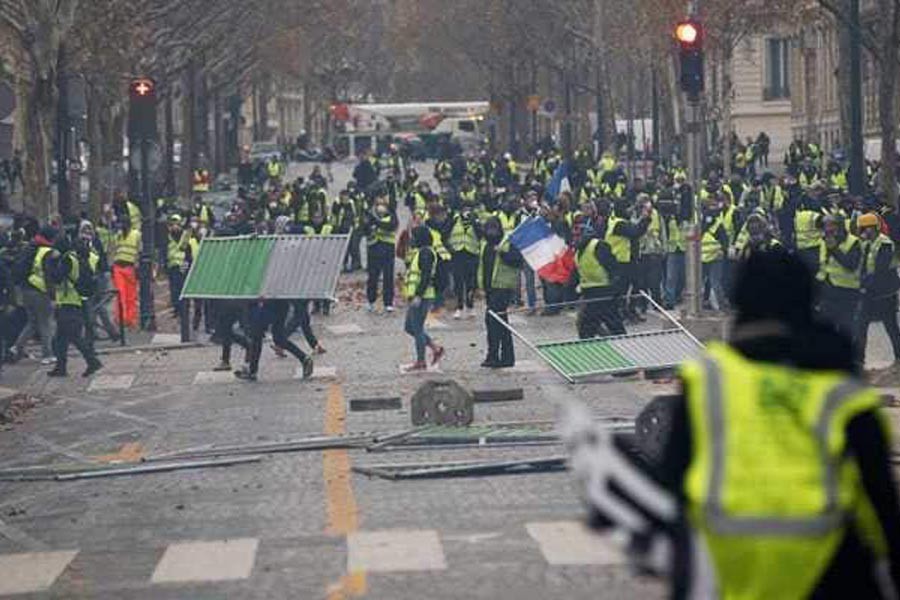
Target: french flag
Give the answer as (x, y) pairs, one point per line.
(544, 251)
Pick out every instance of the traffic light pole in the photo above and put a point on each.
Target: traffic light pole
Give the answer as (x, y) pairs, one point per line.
(148, 227)
(693, 266)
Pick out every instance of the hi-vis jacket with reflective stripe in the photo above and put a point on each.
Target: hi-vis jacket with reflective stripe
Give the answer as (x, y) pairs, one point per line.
(770, 486)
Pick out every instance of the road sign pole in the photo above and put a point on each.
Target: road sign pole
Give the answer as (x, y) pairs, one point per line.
(693, 265)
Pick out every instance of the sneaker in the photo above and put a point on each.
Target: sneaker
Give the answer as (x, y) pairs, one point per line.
(390, 309)
(50, 360)
(370, 307)
(488, 363)
(457, 315)
(245, 375)
(56, 373)
(307, 368)
(416, 367)
(92, 368)
(222, 366)
(438, 355)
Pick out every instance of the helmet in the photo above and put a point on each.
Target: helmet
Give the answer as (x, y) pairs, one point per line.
(867, 220)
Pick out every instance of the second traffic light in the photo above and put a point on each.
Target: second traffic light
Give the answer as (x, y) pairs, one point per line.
(689, 35)
(142, 109)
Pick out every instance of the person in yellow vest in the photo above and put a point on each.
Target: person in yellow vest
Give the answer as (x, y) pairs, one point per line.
(498, 267)
(595, 262)
(755, 236)
(673, 223)
(780, 456)
(622, 235)
(37, 296)
(713, 247)
(465, 247)
(879, 282)
(177, 241)
(439, 225)
(839, 276)
(201, 211)
(94, 251)
(124, 272)
(69, 313)
(126, 208)
(652, 247)
(419, 290)
(274, 170)
(381, 234)
(200, 181)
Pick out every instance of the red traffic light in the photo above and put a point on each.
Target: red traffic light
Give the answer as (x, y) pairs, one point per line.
(688, 33)
(142, 87)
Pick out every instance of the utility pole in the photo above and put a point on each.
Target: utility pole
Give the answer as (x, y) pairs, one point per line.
(857, 166)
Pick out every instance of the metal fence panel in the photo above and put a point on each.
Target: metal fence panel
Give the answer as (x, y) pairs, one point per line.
(229, 267)
(305, 267)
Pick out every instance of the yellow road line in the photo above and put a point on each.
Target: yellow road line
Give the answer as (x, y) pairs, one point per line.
(342, 514)
(130, 452)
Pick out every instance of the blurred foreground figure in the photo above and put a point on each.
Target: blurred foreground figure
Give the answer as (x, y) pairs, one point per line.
(775, 481)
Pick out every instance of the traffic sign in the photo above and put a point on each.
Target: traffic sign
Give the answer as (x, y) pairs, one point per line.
(549, 107)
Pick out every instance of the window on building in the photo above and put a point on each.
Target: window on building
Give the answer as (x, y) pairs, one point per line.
(778, 76)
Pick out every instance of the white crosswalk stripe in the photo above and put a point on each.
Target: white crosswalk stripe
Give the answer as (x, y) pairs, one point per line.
(165, 339)
(221, 560)
(32, 571)
(571, 543)
(205, 377)
(319, 372)
(395, 550)
(348, 329)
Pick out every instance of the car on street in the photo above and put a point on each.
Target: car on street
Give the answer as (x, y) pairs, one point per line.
(261, 152)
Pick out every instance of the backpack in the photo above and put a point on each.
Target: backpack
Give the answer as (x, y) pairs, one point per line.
(23, 264)
(86, 284)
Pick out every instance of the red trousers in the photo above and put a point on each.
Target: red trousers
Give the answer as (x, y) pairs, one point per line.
(125, 280)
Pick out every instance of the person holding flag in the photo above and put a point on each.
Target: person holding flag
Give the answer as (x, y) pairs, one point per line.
(498, 269)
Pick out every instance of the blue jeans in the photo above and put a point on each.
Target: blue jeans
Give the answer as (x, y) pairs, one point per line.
(714, 277)
(674, 278)
(415, 327)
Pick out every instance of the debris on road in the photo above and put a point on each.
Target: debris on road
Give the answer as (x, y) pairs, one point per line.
(395, 472)
(366, 404)
(50, 473)
(313, 443)
(442, 403)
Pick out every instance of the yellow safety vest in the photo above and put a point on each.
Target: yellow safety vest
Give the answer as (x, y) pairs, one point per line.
(134, 215)
(381, 235)
(831, 272)
(675, 241)
(273, 168)
(414, 275)
(873, 249)
(508, 222)
(463, 237)
(728, 222)
(66, 294)
(106, 238)
(38, 278)
(175, 252)
(652, 240)
(774, 198)
(770, 486)
(437, 244)
(807, 234)
(710, 248)
(504, 277)
(591, 273)
(327, 229)
(128, 247)
(619, 244)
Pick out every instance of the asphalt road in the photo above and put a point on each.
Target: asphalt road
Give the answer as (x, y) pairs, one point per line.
(300, 525)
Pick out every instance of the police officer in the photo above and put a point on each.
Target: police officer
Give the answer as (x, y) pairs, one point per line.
(879, 282)
(69, 314)
(498, 267)
(381, 233)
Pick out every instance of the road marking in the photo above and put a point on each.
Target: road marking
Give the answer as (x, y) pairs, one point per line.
(110, 382)
(404, 369)
(572, 543)
(32, 571)
(165, 339)
(348, 329)
(205, 377)
(130, 452)
(395, 550)
(221, 560)
(318, 372)
(527, 366)
(341, 511)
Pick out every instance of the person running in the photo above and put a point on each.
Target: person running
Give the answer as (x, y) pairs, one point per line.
(263, 315)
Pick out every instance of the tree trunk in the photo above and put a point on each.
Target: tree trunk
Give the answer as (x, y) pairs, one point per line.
(887, 87)
(188, 135)
(95, 144)
(40, 112)
(169, 144)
